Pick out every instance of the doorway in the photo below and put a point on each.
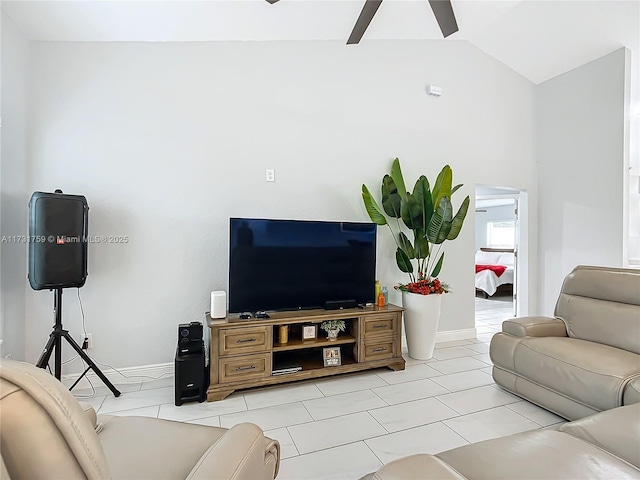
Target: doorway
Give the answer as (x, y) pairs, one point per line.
(501, 253)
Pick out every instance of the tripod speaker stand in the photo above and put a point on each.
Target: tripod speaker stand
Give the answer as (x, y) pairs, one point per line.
(58, 227)
(55, 345)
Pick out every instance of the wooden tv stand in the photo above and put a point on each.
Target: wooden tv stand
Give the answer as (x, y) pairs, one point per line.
(243, 352)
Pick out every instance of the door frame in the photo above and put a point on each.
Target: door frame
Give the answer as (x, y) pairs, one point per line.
(521, 245)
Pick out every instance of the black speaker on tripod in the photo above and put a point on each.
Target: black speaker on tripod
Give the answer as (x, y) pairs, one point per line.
(58, 225)
(58, 228)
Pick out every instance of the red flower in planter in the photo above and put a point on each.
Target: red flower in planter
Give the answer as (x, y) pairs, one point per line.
(424, 287)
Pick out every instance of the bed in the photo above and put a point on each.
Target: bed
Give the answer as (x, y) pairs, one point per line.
(494, 271)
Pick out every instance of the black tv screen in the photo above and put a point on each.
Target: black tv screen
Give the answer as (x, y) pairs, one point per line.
(295, 264)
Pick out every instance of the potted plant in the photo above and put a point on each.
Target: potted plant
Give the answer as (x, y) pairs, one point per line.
(333, 327)
(426, 214)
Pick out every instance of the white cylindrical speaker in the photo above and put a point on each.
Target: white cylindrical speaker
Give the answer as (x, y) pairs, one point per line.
(218, 304)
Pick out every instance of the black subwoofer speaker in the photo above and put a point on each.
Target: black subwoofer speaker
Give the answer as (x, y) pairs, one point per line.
(190, 380)
(58, 226)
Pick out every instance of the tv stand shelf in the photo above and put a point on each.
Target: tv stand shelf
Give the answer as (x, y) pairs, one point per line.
(243, 352)
(298, 344)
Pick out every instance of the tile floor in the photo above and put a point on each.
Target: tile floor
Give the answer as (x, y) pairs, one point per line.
(347, 426)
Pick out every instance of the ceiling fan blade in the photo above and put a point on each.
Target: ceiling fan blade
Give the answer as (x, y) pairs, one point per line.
(443, 11)
(368, 11)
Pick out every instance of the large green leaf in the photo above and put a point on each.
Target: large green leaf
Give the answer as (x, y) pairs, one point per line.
(421, 245)
(436, 270)
(440, 223)
(372, 207)
(391, 200)
(455, 189)
(442, 187)
(398, 179)
(405, 245)
(403, 261)
(458, 220)
(411, 212)
(422, 194)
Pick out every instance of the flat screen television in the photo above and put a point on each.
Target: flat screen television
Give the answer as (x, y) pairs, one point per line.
(296, 264)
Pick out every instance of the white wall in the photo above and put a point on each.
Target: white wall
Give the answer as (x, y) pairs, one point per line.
(13, 181)
(167, 141)
(581, 149)
(492, 214)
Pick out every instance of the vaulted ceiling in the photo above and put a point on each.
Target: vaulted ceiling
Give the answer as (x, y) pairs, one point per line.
(537, 38)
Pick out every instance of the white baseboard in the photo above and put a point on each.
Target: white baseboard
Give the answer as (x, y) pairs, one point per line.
(451, 335)
(144, 373)
(447, 336)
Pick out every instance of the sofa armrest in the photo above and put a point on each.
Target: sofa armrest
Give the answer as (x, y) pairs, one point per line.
(90, 413)
(421, 465)
(617, 431)
(242, 453)
(535, 327)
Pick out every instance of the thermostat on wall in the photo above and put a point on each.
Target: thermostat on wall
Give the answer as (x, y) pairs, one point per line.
(433, 90)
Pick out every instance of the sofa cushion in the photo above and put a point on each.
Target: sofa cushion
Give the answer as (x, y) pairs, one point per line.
(417, 466)
(150, 442)
(602, 305)
(542, 454)
(589, 373)
(617, 431)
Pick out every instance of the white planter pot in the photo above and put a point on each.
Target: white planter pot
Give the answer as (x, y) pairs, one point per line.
(332, 334)
(421, 317)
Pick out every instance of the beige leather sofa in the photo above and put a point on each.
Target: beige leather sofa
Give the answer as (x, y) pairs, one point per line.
(586, 358)
(604, 446)
(46, 434)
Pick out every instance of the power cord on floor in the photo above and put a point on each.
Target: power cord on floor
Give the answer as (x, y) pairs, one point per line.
(93, 389)
(84, 347)
(131, 376)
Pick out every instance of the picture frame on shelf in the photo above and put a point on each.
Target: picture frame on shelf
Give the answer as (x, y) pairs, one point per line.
(309, 332)
(331, 356)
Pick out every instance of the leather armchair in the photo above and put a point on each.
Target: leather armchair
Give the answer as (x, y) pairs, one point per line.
(46, 434)
(586, 358)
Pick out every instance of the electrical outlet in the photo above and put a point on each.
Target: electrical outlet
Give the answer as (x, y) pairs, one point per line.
(86, 341)
(270, 175)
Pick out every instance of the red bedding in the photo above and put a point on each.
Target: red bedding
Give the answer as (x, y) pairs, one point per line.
(497, 269)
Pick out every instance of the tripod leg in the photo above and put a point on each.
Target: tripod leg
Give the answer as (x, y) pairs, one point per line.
(91, 364)
(43, 361)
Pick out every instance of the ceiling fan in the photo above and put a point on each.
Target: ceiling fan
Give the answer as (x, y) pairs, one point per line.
(442, 10)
